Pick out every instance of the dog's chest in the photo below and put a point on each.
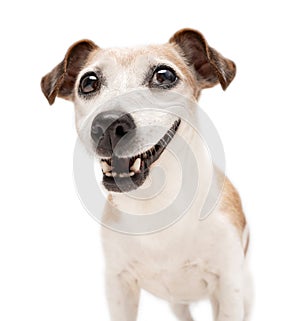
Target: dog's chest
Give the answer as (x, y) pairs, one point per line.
(174, 265)
(176, 280)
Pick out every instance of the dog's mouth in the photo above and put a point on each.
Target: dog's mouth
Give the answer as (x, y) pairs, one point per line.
(123, 174)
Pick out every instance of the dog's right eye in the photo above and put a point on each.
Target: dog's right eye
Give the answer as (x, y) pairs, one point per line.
(89, 83)
(164, 77)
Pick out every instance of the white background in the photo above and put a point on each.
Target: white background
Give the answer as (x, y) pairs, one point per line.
(51, 264)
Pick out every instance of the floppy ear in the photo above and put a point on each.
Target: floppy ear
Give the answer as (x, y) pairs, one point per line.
(61, 80)
(210, 67)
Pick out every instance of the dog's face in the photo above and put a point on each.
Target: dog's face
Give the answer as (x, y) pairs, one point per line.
(127, 140)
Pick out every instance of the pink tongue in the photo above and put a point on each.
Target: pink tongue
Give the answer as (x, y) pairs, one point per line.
(120, 165)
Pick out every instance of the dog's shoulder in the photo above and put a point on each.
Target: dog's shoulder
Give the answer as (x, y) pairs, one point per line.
(231, 206)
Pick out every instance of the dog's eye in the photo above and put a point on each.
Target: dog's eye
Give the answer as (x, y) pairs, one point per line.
(89, 83)
(164, 76)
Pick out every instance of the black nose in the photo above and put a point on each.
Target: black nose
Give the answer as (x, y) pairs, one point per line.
(108, 128)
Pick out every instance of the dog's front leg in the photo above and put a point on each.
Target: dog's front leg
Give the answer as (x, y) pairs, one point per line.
(123, 294)
(230, 299)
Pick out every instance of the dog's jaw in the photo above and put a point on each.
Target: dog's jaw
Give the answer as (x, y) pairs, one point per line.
(127, 174)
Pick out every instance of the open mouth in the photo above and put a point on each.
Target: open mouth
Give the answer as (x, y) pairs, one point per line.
(123, 174)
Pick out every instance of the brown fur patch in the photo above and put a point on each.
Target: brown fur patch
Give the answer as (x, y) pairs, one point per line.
(209, 65)
(247, 244)
(60, 81)
(231, 206)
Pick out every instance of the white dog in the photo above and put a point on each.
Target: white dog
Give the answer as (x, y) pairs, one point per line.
(191, 259)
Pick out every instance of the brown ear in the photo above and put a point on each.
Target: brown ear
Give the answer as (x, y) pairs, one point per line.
(61, 80)
(211, 67)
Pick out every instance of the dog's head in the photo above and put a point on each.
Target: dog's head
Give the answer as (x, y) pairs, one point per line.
(92, 77)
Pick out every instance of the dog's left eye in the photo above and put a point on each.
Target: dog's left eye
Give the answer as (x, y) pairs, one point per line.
(164, 76)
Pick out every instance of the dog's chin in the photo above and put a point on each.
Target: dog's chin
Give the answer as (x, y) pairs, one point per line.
(125, 174)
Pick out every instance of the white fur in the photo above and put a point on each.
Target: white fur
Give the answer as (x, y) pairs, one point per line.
(192, 259)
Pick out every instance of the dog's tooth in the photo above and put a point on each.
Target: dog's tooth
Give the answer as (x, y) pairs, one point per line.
(109, 174)
(105, 167)
(131, 173)
(124, 175)
(136, 165)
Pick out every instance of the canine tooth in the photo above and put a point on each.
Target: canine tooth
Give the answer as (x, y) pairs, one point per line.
(131, 173)
(108, 174)
(105, 167)
(136, 165)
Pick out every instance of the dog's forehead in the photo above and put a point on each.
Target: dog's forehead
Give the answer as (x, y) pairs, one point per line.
(142, 56)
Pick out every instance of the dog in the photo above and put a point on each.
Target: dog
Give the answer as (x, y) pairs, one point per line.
(191, 259)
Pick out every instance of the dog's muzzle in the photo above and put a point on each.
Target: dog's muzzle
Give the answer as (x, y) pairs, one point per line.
(122, 174)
